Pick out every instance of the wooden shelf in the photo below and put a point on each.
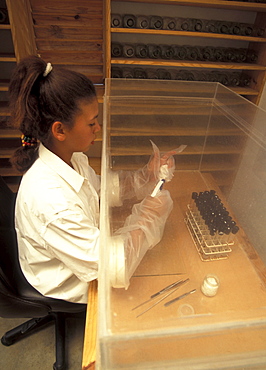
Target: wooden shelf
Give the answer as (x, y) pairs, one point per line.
(201, 107)
(190, 165)
(9, 171)
(9, 134)
(196, 149)
(5, 27)
(129, 130)
(7, 58)
(244, 91)
(4, 110)
(220, 4)
(3, 86)
(189, 64)
(188, 34)
(6, 153)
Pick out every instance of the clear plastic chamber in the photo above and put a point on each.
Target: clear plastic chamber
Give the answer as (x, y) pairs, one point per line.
(225, 153)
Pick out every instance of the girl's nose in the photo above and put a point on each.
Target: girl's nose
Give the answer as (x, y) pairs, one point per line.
(97, 126)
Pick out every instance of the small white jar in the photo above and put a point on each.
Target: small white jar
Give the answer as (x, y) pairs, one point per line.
(210, 285)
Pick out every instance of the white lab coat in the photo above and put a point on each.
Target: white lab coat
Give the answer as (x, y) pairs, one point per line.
(57, 224)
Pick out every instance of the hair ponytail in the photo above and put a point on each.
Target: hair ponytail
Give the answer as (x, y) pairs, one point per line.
(40, 95)
(23, 158)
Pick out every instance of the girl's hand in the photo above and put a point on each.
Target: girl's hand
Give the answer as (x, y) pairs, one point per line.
(158, 160)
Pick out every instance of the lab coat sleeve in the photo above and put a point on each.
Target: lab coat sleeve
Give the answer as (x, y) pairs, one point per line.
(73, 239)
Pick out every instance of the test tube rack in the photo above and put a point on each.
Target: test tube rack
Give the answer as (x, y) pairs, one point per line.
(211, 243)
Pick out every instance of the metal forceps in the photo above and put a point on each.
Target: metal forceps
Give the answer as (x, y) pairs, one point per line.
(168, 290)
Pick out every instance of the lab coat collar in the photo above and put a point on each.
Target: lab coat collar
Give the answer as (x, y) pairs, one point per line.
(74, 179)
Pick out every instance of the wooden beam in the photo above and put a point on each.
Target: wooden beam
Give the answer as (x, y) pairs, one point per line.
(107, 39)
(19, 12)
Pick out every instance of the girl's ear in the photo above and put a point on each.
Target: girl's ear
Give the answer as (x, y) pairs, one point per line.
(58, 131)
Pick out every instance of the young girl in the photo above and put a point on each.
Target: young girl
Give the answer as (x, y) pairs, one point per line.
(57, 206)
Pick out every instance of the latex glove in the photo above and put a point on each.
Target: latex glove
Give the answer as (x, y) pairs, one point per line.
(141, 183)
(143, 229)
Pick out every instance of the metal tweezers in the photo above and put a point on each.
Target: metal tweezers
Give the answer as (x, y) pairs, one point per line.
(178, 298)
(172, 287)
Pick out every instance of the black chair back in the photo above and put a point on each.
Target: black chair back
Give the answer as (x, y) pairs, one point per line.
(14, 287)
(7, 205)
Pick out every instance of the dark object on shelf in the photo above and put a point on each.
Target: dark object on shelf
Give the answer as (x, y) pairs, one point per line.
(139, 73)
(242, 55)
(252, 56)
(208, 53)
(163, 74)
(116, 20)
(127, 72)
(235, 79)
(155, 51)
(230, 55)
(245, 80)
(259, 32)
(129, 21)
(180, 52)
(152, 74)
(156, 22)
(224, 27)
(128, 51)
(193, 53)
(184, 75)
(211, 26)
(186, 24)
(116, 72)
(245, 29)
(142, 22)
(168, 51)
(198, 25)
(116, 50)
(142, 51)
(218, 54)
(169, 23)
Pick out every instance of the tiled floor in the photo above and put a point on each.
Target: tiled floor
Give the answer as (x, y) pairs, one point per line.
(38, 350)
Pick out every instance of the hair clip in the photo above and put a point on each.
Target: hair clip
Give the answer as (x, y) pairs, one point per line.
(28, 140)
(48, 69)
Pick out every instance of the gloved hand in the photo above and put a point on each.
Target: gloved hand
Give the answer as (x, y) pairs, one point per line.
(141, 183)
(159, 160)
(143, 229)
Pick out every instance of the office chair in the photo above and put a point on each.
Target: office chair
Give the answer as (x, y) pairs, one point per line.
(18, 299)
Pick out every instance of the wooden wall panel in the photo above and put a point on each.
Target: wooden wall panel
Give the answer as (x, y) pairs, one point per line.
(70, 33)
(87, 20)
(67, 6)
(70, 57)
(75, 45)
(66, 33)
(21, 28)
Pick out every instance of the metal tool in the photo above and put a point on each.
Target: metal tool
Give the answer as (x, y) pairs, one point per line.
(178, 298)
(171, 286)
(160, 300)
(177, 283)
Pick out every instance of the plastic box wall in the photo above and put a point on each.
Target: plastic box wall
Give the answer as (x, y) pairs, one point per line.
(225, 138)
